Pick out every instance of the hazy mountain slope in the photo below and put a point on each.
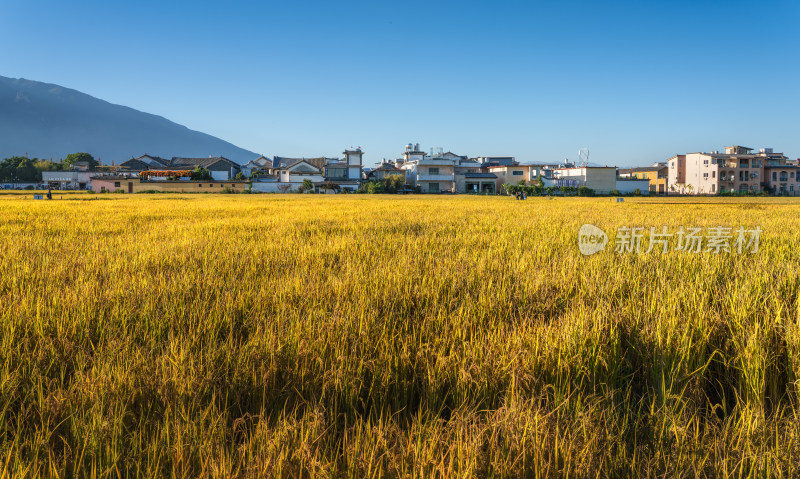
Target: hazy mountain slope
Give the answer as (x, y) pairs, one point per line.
(50, 121)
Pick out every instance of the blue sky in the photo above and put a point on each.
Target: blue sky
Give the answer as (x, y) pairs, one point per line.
(635, 82)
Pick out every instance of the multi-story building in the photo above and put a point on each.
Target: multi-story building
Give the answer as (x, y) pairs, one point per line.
(656, 174)
(446, 172)
(737, 170)
(471, 178)
(510, 174)
(431, 174)
(346, 173)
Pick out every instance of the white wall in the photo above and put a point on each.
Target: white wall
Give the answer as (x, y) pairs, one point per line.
(272, 186)
(629, 186)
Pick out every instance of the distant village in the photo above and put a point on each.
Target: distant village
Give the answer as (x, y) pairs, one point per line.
(739, 170)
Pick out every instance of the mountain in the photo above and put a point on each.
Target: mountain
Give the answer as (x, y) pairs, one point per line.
(50, 121)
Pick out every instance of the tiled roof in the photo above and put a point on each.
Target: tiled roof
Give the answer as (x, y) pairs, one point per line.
(281, 162)
(113, 177)
(641, 169)
(201, 162)
(480, 175)
(156, 159)
(260, 161)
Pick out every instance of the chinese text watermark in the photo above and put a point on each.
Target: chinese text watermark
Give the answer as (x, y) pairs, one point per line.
(717, 239)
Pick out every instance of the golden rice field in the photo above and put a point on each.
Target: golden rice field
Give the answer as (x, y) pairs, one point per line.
(392, 336)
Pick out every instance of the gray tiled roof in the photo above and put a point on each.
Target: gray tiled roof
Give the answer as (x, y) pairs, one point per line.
(480, 175)
(201, 162)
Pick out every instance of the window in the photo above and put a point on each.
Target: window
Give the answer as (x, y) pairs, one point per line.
(517, 173)
(774, 176)
(116, 184)
(713, 188)
(199, 185)
(791, 174)
(713, 174)
(433, 187)
(210, 185)
(705, 162)
(705, 176)
(433, 171)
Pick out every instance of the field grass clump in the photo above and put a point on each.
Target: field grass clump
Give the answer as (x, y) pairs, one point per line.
(392, 336)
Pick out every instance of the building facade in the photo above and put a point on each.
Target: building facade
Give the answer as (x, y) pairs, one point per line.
(657, 175)
(129, 184)
(345, 173)
(220, 167)
(601, 179)
(429, 174)
(738, 170)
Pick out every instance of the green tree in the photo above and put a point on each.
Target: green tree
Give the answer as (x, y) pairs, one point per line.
(201, 174)
(306, 186)
(239, 176)
(512, 189)
(26, 172)
(539, 181)
(46, 165)
(73, 158)
(20, 168)
(395, 183)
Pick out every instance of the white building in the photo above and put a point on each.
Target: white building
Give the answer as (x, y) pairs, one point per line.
(262, 165)
(444, 172)
(67, 180)
(601, 179)
(346, 173)
(300, 170)
(430, 174)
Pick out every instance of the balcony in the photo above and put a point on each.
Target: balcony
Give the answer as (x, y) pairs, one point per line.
(435, 177)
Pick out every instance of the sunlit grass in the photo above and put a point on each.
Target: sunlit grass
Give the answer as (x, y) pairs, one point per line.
(364, 336)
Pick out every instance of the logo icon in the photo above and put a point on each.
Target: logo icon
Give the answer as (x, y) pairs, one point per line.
(591, 239)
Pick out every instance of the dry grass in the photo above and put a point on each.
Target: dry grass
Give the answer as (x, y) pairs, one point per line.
(368, 336)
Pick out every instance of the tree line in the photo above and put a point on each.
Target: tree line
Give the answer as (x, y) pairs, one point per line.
(21, 169)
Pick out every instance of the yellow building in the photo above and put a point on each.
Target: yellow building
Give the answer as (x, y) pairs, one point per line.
(656, 174)
(510, 174)
(137, 185)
